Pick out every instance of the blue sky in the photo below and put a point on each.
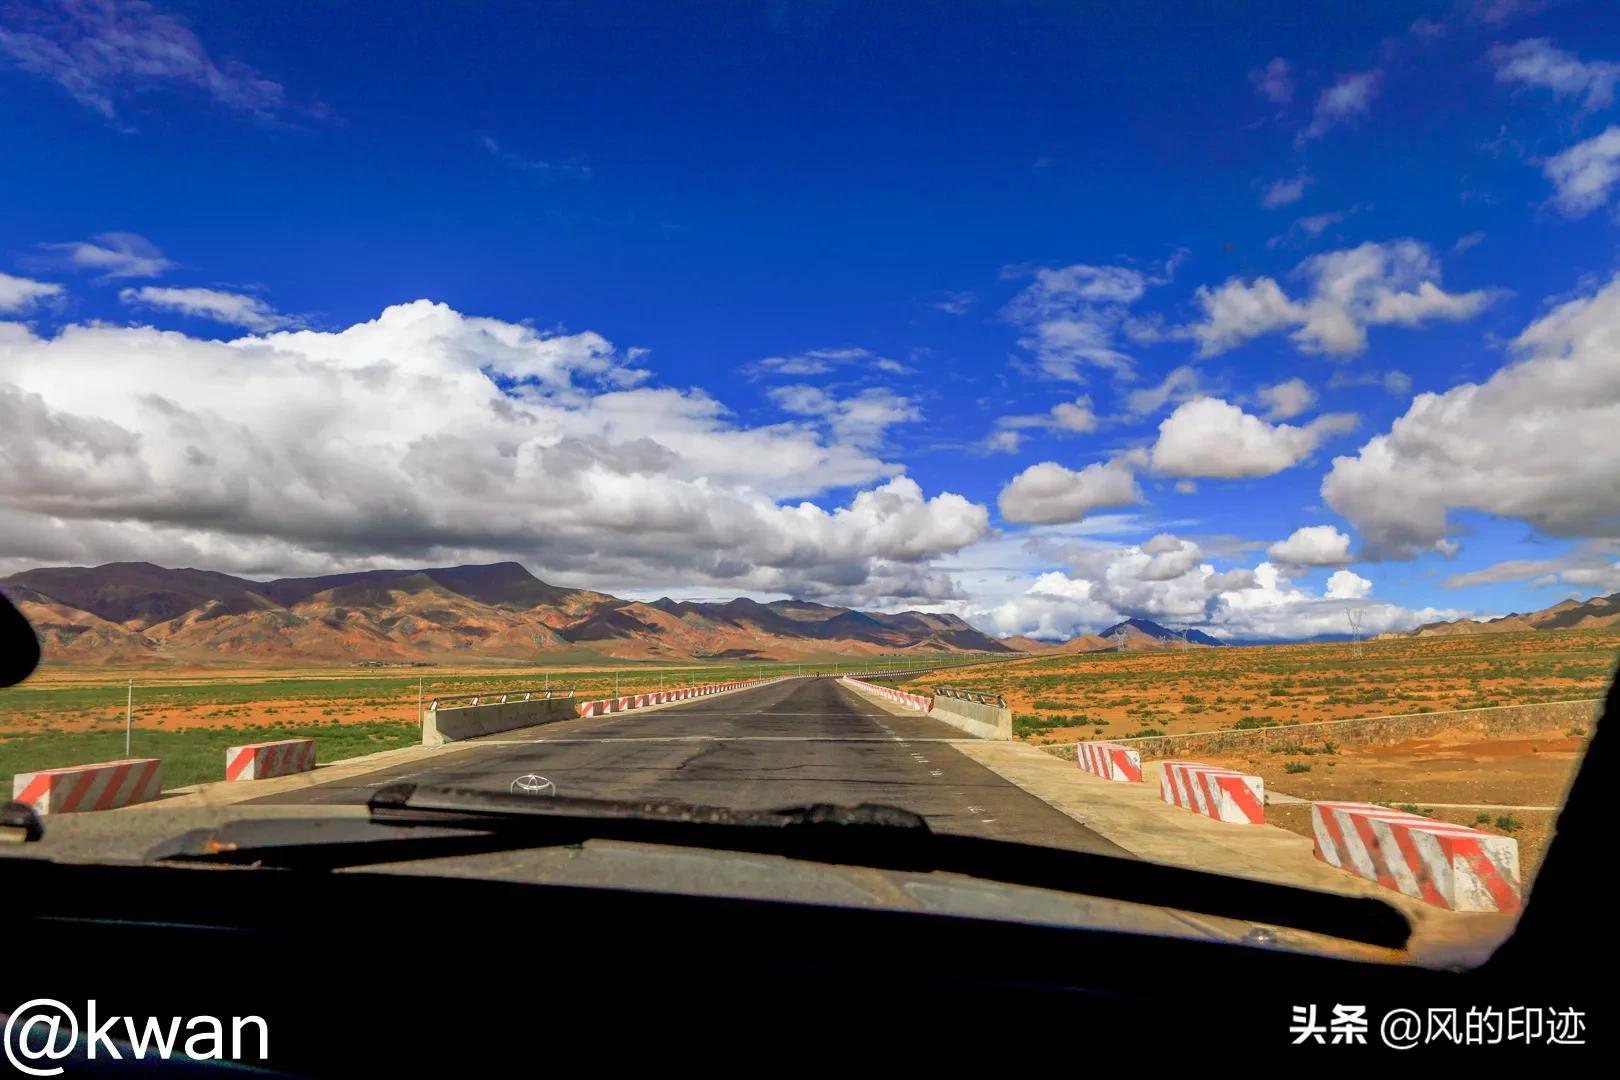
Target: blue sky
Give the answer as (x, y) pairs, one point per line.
(1044, 314)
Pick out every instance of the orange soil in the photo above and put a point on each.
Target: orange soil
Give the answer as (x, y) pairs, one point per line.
(1531, 770)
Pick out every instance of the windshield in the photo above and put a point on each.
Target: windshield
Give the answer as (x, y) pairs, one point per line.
(1177, 438)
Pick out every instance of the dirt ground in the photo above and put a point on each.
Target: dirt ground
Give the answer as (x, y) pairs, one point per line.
(1490, 781)
(1116, 695)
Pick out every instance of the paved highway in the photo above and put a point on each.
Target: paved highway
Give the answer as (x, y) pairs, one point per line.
(786, 744)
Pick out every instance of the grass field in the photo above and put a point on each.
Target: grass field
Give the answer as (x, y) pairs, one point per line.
(194, 755)
(71, 716)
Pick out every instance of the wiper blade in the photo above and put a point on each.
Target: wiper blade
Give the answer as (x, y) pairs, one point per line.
(871, 836)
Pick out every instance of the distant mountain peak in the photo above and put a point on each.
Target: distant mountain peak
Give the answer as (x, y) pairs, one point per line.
(1149, 628)
(140, 611)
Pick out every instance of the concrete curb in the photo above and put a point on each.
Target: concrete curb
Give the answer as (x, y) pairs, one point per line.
(1132, 816)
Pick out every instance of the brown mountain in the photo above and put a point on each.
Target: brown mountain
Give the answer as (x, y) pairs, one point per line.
(1593, 614)
(130, 612)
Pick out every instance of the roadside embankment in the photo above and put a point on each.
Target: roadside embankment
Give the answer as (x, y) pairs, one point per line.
(1136, 818)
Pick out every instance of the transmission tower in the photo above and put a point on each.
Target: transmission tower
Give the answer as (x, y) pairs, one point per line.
(1119, 640)
(1353, 614)
(1186, 641)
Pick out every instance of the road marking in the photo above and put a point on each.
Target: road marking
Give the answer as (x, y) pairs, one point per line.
(563, 740)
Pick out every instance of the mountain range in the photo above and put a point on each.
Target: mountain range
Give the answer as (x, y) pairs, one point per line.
(1138, 634)
(1597, 613)
(138, 612)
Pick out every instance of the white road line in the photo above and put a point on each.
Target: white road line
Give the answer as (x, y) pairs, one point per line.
(565, 740)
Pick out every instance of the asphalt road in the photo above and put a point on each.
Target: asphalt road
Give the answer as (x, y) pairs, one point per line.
(786, 744)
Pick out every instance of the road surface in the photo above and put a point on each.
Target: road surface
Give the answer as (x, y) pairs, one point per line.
(784, 744)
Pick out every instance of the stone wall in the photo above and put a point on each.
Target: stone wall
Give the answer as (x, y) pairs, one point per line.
(1366, 731)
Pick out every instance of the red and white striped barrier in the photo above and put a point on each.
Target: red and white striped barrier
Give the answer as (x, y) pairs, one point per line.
(260, 761)
(604, 706)
(1110, 761)
(899, 697)
(1449, 866)
(101, 786)
(1222, 794)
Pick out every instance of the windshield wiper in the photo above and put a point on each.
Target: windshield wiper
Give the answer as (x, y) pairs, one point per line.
(411, 822)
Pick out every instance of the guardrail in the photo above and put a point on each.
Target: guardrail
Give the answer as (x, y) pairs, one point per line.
(467, 701)
(982, 697)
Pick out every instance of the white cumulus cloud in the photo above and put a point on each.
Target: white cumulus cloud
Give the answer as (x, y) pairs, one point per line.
(1213, 438)
(1346, 585)
(1373, 284)
(1286, 400)
(390, 441)
(1535, 442)
(1313, 545)
(19, 294)
(1048, 493)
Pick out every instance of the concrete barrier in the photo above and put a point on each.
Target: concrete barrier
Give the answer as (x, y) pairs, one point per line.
(78, 788)
(603, 706)
(260, 761)
(889, 693)
(977, 714)
(981, 719)
(450, 720)
(1222, 794)
(1110, 761)
(1449, 866)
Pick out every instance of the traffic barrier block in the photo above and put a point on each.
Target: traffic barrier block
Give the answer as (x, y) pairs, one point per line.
(1449, 866)
(260, 761)
(1222, 794)
(77, 788)
(1110, 761)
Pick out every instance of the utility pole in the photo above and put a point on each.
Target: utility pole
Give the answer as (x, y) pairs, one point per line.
(419, 695)
(129, 715)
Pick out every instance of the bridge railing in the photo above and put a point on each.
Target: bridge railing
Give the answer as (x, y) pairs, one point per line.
(499, 697)
(982, 697)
